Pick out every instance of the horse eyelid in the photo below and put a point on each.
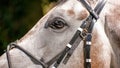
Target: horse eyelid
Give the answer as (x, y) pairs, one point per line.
(48, 23)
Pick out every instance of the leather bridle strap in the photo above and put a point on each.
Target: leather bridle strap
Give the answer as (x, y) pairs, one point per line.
(83, 33)
(89, 8)
(14, 45)
(35, 60)
(87, 44)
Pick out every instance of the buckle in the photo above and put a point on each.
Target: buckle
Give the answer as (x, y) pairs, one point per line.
(83, 32)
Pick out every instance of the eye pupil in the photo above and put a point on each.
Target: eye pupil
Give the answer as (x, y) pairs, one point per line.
(57, 24)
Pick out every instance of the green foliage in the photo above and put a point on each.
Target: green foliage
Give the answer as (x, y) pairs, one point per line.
(18, 16)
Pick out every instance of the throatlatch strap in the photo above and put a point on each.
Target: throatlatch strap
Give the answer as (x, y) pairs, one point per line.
(87, 45)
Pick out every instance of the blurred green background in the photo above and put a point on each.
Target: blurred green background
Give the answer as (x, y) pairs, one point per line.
(19, 16)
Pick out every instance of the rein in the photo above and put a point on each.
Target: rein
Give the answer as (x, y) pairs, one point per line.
(84, 32)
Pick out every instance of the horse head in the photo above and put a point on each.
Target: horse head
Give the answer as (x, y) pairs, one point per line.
(52, 33)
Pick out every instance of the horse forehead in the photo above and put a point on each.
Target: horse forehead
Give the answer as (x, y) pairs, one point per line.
(75, 5)
(74, 8)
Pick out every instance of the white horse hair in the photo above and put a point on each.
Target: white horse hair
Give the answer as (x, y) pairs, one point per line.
(47, 42)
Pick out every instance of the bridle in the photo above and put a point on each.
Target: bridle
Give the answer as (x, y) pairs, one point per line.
(84, 33)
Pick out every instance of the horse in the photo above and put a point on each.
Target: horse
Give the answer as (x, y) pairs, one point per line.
(53, 31)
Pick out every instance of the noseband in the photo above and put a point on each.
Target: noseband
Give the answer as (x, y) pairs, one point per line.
(83, 33)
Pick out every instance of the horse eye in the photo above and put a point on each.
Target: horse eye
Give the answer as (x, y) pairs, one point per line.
(57, 23)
